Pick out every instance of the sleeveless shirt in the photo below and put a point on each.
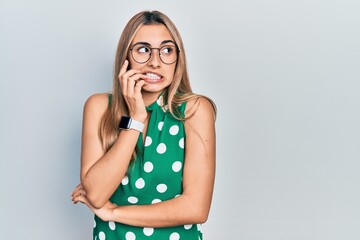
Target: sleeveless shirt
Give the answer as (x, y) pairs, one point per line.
(154, 176)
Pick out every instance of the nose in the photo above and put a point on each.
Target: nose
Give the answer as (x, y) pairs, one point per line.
(154, 60)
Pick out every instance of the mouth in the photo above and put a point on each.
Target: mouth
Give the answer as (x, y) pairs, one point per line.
(152, 77)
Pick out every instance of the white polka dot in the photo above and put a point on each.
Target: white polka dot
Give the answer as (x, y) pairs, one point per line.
(112, 225)
(181, 143)
(148, 167)
(101, 235)
(160, 125)
(174, 130)
(94, 223)
(148, 231)
(133, 200)
(177, 195)
(155, 201)
(174, 236)
(176, 166)
(187, 227)
(125, 180)
(148, 141)
(140, 183)
(161, 148)
(130, 236)
(161, 188)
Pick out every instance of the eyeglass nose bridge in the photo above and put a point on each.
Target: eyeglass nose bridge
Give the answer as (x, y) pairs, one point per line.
(159, 53)
(150, 55)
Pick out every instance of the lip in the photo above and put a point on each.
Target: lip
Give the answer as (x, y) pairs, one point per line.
(152, 77)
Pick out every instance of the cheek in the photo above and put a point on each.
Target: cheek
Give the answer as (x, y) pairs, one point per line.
(171, 72)
(134, 65)
(131, 62)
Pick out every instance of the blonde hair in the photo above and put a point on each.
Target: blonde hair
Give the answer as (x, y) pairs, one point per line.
(177, 92)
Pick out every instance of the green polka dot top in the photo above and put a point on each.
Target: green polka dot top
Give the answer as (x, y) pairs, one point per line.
(154, 176)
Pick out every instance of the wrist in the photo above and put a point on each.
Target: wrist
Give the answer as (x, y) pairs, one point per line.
(114, 216)
(128, 123)
(139, 117)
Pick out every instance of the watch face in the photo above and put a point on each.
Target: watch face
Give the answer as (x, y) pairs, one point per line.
(125, 122)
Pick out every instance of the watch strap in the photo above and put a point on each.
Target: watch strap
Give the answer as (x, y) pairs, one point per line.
(136, 125)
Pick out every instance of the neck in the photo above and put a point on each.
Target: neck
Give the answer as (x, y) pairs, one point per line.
(150, 97)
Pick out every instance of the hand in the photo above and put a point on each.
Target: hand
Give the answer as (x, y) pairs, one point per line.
(105, 212)
(78, 194)
(131, 84)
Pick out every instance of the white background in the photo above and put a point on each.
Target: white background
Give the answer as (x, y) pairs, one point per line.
(285, 76)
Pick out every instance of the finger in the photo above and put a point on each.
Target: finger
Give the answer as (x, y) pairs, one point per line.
(130, 73)
(121, 74)
(136, 76)
(78, 192)
(126, 80)
(81, 199)
(77, 195)
(123, 67)
(76, 189)
(131, 82)
(81, 193)
(138, 86)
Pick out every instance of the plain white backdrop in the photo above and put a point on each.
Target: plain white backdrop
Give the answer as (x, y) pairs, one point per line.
(286, 79)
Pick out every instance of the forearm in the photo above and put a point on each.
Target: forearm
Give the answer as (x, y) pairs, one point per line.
(178, 211)
(102, 178)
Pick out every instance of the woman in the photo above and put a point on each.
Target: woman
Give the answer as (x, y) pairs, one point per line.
(148, 149)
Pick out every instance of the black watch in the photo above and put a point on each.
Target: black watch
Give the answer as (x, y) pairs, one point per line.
(127, 123)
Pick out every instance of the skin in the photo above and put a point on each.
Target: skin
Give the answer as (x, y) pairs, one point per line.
(101, 173)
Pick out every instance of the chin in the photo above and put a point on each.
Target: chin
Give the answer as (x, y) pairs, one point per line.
(153, 88)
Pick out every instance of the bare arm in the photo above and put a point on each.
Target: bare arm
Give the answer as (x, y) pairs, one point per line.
(198, 180)
(101, 173)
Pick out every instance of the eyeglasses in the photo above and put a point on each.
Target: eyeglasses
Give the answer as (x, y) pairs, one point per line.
(141, 53)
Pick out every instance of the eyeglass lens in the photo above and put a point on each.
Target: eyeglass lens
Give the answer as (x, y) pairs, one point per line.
(142, 53)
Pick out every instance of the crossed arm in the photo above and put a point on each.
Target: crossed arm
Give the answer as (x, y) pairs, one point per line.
(100, 175)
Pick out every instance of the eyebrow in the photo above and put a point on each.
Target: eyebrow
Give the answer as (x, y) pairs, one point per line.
(162, 43)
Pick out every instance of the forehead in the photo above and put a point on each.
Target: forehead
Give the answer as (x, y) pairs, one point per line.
(153, 34)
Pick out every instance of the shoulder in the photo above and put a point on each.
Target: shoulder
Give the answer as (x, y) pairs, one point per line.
(200, 116)
(200, 107)
(97, 99)
(200, 122)
(97, 103)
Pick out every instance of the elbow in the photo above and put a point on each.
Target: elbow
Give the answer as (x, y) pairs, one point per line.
(200, 214)
(197, 209)
(202, 217)
(95, 200)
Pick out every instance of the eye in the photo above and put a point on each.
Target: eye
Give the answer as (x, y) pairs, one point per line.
(167, 50)
(142, 49)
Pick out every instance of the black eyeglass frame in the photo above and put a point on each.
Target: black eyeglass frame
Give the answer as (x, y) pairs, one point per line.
(159, 52)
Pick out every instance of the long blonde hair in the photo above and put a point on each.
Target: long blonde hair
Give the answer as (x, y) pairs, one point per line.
(177, 92)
